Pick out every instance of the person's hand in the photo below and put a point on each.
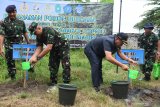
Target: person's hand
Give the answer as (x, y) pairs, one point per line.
(33, 60)
(132, 62)
(125, 67)
(28, 42)
(2, 53)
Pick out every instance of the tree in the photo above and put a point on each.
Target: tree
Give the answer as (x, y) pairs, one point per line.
(152, 15)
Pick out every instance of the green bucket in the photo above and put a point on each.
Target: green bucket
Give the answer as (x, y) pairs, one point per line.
(25, 65)
(156, 70)
(133, 74)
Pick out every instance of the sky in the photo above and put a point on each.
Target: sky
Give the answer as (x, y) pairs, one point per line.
(130, 15)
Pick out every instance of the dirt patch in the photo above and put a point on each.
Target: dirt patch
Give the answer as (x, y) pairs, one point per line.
(12, 94)
(12, 88)
(139, 96)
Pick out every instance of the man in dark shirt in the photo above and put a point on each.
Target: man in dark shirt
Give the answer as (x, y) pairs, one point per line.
(11, 31)
(58, 47)
(101, 47)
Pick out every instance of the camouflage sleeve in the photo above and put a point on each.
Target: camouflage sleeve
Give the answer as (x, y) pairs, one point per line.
(2, 28)
(156, 41)
(24, 28)
(140, 41)
(159, 35)
(39, 42)
(51, 37)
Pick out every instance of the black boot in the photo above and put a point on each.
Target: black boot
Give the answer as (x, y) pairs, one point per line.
(12, 73)
(147, 77)
(13, 77)
(97, 89)
(66, 79)
(52, 83)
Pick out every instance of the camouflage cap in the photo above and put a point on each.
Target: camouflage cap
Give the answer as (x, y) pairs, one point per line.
(32, 27)
(10, 8)
(148, 26)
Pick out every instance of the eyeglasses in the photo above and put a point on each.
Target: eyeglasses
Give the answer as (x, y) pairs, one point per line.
(124, 42)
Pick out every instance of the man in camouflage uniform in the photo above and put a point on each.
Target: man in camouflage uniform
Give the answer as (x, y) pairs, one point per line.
(58, 47)
(159, 34)
(11, 31)
(148, 41)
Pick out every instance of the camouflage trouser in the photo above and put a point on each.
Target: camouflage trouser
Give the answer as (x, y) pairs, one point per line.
(9, 57)
(148, 64)
(56, 55)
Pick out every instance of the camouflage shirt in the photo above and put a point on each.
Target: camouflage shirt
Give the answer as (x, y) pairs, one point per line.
(148, 42)
(50, 36)
(12, 28)
(1, 30)
(159, 35)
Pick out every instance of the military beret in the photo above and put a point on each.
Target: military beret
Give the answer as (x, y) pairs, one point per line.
(10, 8)
(32, 27)
(148, 26)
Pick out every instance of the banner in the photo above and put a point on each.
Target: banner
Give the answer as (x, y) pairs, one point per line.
(135, 54)
(79, 23)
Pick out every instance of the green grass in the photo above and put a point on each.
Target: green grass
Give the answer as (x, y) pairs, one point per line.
(80, 76)
(23, 95)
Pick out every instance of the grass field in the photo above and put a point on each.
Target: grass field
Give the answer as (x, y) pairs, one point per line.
(12, 93)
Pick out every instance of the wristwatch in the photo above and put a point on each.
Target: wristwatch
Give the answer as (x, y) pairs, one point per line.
(38, 58)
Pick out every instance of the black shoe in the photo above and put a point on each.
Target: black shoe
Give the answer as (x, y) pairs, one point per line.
(147, 78)
(52, 83)
(66, 82)
(12, 73)
(66, 79)
(97, 89)
(13, 77)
